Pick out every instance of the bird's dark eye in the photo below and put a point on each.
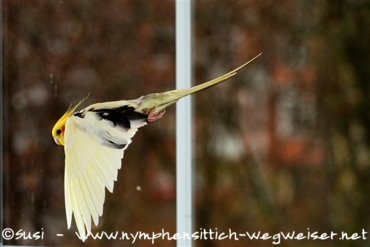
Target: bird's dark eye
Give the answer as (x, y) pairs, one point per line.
(59, 131)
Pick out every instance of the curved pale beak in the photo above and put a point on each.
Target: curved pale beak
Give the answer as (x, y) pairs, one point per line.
(56, 140)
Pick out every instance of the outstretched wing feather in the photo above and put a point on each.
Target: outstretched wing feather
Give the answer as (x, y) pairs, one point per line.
(90, 167)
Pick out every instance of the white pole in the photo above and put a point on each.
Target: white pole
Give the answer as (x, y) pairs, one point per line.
(184, 198)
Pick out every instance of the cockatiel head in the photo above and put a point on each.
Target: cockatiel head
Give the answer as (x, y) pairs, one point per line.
(59, 128)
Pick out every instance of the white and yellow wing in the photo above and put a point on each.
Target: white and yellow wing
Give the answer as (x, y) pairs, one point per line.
(94, 141)
(94, 144)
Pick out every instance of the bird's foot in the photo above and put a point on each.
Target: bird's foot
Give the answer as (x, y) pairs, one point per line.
(154, 116)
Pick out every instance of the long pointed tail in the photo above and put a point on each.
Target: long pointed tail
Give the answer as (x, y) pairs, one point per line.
(160, 101)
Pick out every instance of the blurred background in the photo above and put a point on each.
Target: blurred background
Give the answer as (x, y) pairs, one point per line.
(283, 146)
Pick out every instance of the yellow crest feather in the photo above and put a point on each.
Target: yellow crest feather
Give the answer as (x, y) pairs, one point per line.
(57, 131)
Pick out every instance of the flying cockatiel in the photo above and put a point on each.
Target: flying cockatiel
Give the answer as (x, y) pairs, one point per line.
(94, 141)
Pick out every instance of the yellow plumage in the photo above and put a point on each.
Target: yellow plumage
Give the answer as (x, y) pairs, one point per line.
(94, 141)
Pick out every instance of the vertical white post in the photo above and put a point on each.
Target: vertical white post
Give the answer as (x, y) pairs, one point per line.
(184, 198)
